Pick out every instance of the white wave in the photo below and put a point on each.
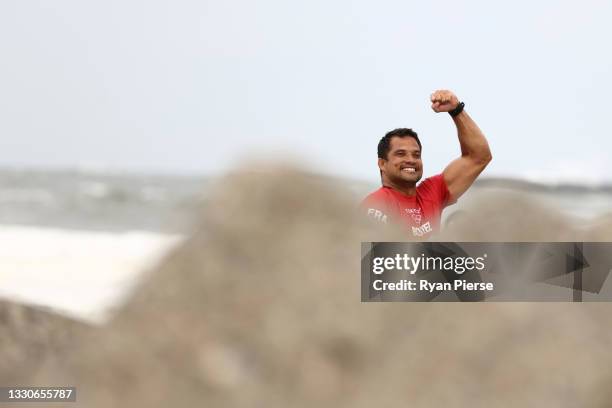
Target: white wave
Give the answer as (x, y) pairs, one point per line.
(95, 189)
(26, 195)
(150, 193)
(83, 274)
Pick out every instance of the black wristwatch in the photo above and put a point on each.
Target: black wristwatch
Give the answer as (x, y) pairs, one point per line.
(457, 110)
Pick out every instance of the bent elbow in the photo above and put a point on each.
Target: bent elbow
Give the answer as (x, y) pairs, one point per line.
(487, 159)
(483, 160)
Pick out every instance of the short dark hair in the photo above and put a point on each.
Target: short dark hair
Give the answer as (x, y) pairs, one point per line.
(385, 143)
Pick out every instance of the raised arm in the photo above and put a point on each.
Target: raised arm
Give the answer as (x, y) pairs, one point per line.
(475, 153)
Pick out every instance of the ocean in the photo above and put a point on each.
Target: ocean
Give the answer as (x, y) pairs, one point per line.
(78, 241)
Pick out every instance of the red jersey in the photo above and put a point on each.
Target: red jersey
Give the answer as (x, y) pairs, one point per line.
(420, 213)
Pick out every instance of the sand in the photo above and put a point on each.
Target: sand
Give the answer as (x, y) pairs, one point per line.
(31, 337)
(260, 307)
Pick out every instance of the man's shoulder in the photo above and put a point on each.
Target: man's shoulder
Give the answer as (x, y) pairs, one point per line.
(435, 188)
(380, 194)
(432, 181)
(378, 204)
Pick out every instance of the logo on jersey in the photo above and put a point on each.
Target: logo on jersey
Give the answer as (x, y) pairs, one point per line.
(422, 230)
(377, 215)
(415, 213)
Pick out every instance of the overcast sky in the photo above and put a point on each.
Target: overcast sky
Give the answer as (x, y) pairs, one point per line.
(200, 86)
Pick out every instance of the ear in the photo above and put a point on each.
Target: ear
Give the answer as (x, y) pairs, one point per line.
(381, 164)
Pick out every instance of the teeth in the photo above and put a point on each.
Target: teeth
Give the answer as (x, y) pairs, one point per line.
(409, 169)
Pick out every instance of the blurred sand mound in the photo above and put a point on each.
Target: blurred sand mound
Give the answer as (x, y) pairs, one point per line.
(509, 217)
(29, 336)
(600, 229)
(261, 308)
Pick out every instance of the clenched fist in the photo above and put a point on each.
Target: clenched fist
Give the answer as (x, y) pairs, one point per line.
(443, 100)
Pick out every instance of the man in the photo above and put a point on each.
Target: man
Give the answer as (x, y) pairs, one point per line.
(419, 207)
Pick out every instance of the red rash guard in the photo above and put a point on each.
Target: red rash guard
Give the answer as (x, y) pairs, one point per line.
(420, 213)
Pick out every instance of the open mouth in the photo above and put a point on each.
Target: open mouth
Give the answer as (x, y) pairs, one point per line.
(408, 170)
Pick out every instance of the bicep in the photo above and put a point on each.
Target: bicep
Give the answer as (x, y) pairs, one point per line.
(460, 174)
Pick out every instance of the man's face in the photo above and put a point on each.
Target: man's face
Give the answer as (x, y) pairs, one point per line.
(403, 164)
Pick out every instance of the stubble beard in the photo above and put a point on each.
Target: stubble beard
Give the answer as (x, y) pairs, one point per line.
(402, 182)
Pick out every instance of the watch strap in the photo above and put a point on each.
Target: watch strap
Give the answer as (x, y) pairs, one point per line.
(457, 110)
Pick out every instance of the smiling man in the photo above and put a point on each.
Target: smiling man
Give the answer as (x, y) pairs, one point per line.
(419, 207)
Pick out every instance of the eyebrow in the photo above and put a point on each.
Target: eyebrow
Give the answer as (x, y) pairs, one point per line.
(405, 150)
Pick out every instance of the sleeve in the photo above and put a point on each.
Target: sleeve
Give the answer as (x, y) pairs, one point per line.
(435, 189)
